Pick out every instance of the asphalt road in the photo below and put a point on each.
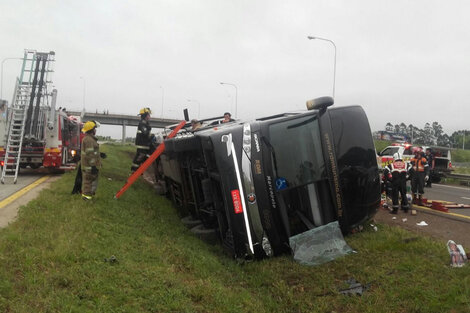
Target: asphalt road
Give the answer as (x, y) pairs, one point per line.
(25, 178)
(459, 195)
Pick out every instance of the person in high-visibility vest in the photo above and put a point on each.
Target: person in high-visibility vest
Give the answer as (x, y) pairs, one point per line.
(143, 139)
(420, 174)
(397, 173)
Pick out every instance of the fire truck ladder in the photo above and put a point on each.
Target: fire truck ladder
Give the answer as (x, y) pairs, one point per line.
(17, 120)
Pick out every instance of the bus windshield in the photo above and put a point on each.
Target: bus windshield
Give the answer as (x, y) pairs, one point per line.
(298, 151)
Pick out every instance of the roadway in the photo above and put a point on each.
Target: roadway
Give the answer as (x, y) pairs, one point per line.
(24, 180)
(460, 195)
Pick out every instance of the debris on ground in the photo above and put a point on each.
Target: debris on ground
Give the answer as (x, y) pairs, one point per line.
(422, 223)
(404, 219)
(458, 257)
(355, 288)
(112, 259)
(319, 245)
(374, 227)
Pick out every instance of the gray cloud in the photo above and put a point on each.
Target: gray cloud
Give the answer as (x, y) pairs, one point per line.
(401, 60)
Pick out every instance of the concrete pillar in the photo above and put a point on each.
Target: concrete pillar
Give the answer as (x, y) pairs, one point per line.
(123, 132)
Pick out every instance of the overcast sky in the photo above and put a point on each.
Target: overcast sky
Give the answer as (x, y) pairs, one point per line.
(403, 61)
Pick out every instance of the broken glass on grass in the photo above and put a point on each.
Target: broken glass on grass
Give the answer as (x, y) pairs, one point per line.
(319, 245)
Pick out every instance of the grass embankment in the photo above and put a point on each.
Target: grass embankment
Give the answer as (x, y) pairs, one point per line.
(53, 260)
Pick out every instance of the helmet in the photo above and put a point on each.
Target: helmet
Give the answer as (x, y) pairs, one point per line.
(417, 150)
(396, 156)
(145, 111)
(90, 125)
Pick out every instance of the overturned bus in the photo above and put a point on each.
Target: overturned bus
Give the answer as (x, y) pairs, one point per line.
(260, 182)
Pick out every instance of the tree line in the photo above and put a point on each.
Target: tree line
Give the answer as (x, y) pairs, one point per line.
(431, 134)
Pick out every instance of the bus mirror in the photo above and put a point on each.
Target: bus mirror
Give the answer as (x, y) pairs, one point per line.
(319, 103)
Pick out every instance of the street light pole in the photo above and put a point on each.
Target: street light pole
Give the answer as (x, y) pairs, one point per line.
(334, 70)
(236, 96)
(1, 74)
(198, 106)
(84, 91)
(163, 93)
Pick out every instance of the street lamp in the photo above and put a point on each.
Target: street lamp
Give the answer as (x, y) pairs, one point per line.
(334, 71)
(84, 91)
(1, 75)
(163, 93)
(198, 106)
(236, 96)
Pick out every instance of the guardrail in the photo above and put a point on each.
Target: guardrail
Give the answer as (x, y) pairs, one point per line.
(464, 178)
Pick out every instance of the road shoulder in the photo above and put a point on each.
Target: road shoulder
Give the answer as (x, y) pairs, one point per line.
(9, 206)
(440, 226)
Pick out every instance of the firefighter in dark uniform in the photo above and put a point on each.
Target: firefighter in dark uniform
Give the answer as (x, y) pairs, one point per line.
(430, 159)
(143, 139)
(419, 175)
(397, 173)
(90, 160)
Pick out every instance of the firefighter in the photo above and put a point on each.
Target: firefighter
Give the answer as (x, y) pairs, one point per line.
(430, 159)
(397, 173)
(420, 174)
(90, 160)
(143, 139)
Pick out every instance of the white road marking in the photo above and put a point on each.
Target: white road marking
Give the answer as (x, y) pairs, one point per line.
(455, 187)
(465, 198)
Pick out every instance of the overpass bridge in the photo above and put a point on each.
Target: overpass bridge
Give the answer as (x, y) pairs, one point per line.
(122, 120)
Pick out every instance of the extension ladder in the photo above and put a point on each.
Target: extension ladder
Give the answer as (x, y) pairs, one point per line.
(31, 86)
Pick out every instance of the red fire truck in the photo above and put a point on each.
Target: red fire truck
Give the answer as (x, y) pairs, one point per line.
(33, 132)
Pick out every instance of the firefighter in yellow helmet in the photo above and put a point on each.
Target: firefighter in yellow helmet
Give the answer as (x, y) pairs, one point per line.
(90, 160)
(143, 139)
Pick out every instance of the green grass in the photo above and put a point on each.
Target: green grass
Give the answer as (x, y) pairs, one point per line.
(53, 260)
(381, 144)
(461, 156)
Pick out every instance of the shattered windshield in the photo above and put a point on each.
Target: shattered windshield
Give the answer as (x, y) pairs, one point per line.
(298, 151)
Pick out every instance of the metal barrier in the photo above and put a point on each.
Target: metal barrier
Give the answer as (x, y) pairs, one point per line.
(464, 178)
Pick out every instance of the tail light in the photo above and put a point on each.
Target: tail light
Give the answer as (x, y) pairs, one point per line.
(450, 164)
(2, 163)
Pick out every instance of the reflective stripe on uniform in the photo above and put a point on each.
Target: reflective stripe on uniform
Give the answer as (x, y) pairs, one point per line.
(86, 168)
(142, 147)
(89, 149)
